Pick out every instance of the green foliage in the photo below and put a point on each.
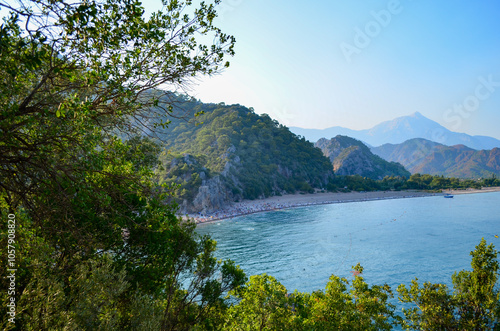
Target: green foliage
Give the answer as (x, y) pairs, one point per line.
(474, 303)
(428, 182)
(72, 293)
(477, 299)
(182, 175)
(489, 182)
(160, 268)
(415, 182)
(359, 308)
(264, 304)
(256, 155)
(351, 157)
(99, 243)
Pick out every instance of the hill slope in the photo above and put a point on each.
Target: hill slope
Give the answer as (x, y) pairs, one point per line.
(423, 156)
(401, 129)
(351, 157)
(230, 153)
(410, 154)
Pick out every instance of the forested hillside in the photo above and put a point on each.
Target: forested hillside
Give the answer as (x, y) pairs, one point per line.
(351, 157)
(427, 157)
(231, 153)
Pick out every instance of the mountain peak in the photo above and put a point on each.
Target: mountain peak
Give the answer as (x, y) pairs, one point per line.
(417, 115)
(404, 128)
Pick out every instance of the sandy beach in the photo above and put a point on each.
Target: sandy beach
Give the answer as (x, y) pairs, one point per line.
(471, 191)
(299, 200)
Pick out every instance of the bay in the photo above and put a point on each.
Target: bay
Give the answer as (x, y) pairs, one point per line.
(394, 240)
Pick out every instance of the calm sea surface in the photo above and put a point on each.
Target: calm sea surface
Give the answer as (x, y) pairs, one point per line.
(394, 240)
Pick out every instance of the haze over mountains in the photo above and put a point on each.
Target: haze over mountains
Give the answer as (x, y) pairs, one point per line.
(400, 130)
(428, 157)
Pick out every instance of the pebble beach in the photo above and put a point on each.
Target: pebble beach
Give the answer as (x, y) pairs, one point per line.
(246, 207)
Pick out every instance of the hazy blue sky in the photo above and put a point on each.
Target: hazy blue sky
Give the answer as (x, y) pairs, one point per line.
(318, 64)
(323, 63)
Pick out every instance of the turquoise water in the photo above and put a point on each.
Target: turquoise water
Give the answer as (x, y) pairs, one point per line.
(394, 240)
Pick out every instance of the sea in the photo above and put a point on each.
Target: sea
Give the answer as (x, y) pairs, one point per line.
(395, 240)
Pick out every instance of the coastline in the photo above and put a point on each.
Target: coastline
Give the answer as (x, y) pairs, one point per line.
(247, 207)
(473, 191)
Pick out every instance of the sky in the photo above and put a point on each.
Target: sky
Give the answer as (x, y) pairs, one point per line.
(325, 63)
(320, 63)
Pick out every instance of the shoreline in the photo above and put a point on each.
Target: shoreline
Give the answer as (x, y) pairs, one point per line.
(247, 207)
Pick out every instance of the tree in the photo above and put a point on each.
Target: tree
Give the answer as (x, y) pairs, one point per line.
(359, 308)
(79, 71)
(264, 305)
(477, 297)
(80, 80)
(473, 305)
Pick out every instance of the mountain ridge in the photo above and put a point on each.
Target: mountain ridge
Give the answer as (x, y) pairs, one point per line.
(229, 153)
(401, 129)
(351, 157)
(424, 156)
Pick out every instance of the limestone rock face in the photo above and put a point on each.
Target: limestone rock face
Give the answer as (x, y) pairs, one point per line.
(212, 195)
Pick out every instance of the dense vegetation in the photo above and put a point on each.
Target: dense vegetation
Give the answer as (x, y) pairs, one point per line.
(257, 156)
(351, 157)
(415, 182)
(352, 304)
(90, 243)
(424, 156)
(88, 240)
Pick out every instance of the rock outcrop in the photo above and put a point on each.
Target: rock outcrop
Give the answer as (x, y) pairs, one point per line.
(212, 195)
(351, 157)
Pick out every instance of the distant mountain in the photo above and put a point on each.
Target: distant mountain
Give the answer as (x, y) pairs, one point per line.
(402, 129)
(229, 153)
(314, 135)
(427, 157)
(351, 157)
(410, 154)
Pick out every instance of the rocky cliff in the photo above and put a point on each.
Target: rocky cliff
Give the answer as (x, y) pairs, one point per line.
(229, 153)
(351, 157)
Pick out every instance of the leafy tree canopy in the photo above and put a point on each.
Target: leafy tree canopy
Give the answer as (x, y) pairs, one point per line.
(79, 81)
